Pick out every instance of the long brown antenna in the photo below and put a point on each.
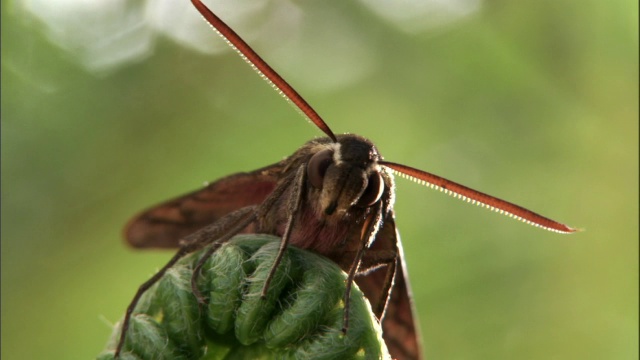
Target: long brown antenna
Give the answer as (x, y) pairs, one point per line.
(476, 197)
(259, 65)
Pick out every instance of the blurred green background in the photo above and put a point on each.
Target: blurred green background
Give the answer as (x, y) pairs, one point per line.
(109, 108)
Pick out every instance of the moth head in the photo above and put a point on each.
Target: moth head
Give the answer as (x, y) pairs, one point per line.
(346, 175)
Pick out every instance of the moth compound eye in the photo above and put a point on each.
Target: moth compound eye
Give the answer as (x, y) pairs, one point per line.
(373, 192)
(317, 167)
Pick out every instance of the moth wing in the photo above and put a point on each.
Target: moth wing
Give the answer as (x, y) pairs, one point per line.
(399, 329)
(163, 225)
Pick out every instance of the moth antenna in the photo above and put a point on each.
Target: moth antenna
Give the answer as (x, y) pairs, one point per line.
(478, 198)
(261, 67)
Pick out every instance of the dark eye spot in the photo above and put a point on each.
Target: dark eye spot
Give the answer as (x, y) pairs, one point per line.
(317, 167)
(373, 192)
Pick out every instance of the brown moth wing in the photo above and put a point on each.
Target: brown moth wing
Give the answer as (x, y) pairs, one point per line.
(399, 331)
(164, 225)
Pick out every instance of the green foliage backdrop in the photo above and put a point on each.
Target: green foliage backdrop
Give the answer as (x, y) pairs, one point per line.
(532, 101)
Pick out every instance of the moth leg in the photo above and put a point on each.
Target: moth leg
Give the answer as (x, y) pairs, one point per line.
(294, 202)
(369, 231)
(141, 290)
(395, 311)
(217, 234)
(188, 245)
(373, 260)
